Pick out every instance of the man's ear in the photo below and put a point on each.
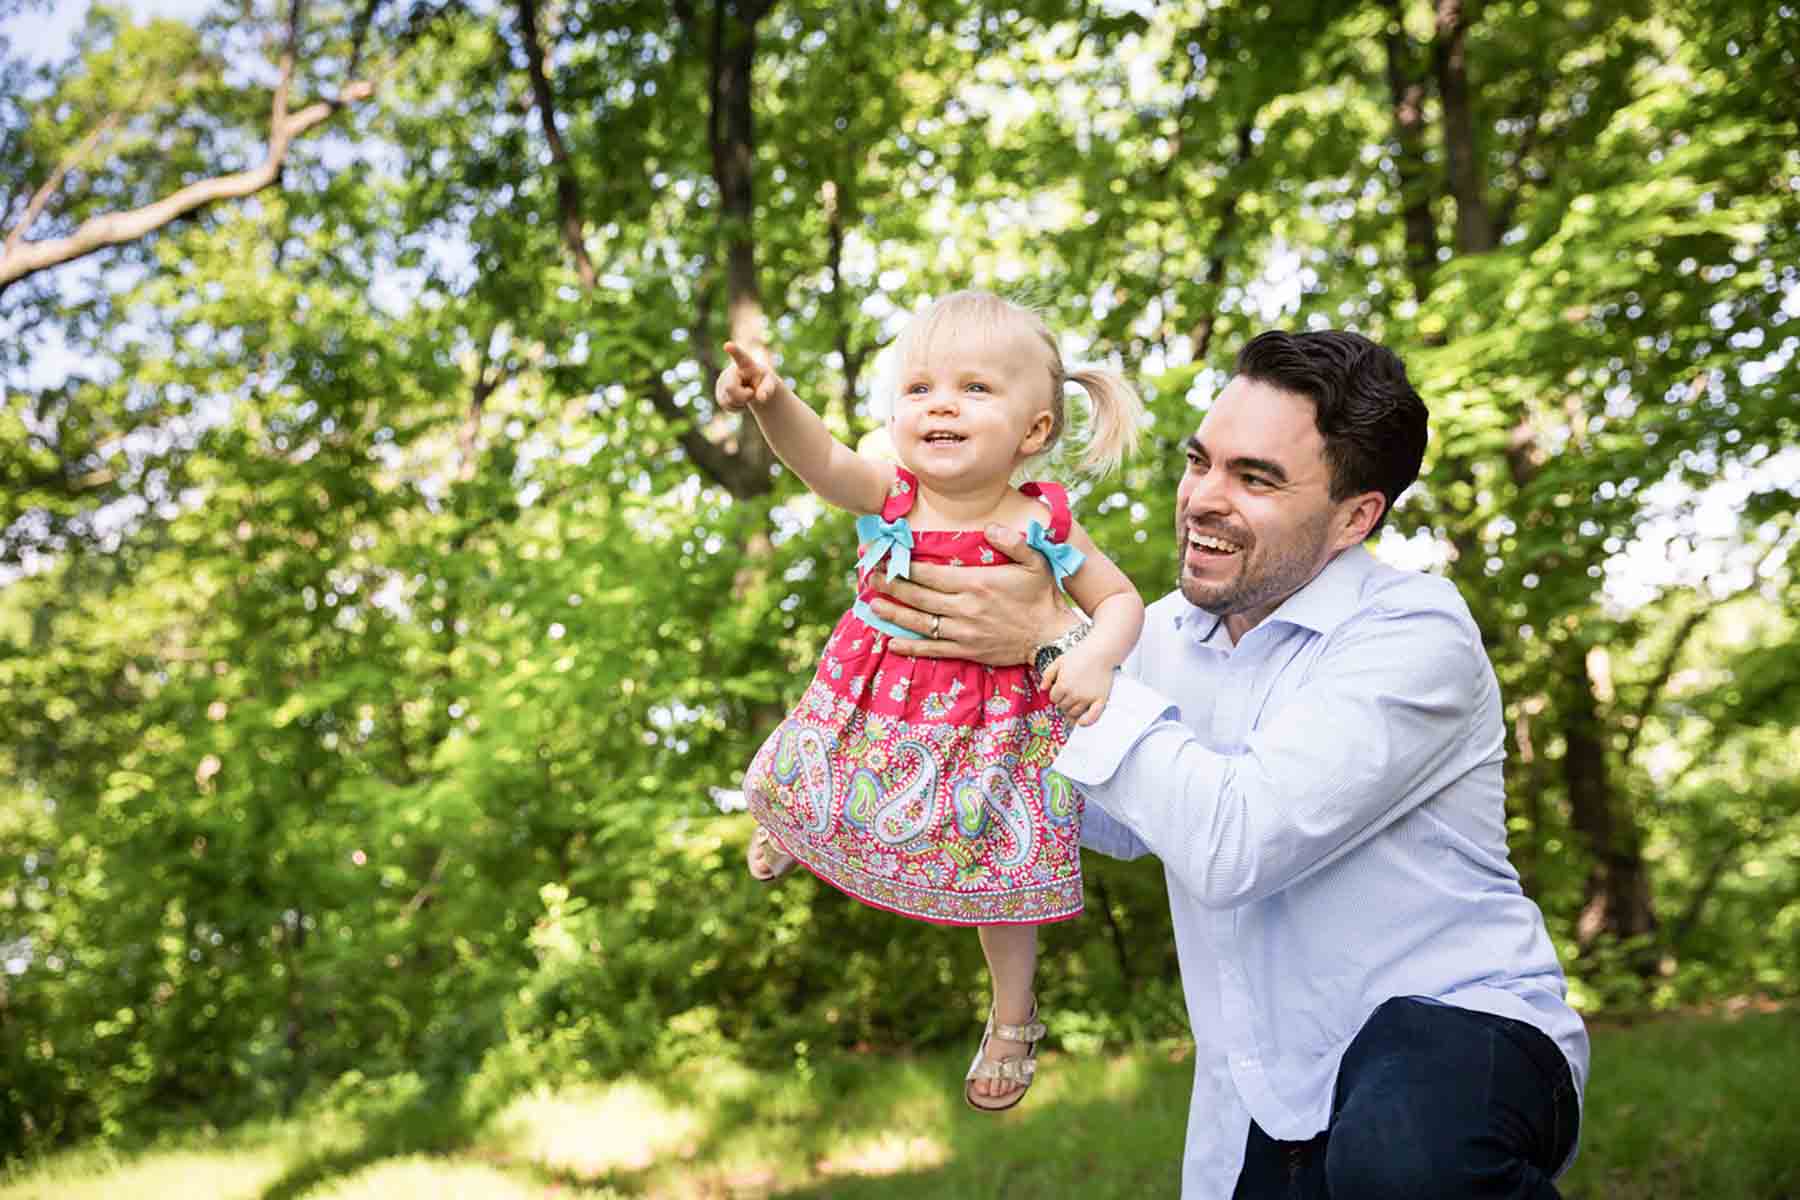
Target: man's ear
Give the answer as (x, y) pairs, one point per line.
(1358, 515)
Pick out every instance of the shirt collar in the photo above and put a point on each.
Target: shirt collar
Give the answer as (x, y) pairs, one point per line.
(1332, 596)
(1200, 625)
(1322, 605)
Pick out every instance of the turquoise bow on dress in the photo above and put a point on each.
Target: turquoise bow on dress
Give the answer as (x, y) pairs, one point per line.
(1064, 559)
(892, 538)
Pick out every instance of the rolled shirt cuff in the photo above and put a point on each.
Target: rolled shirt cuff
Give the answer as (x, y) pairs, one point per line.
(1093, 753)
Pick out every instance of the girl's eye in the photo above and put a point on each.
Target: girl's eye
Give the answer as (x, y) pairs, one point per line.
(978, 387)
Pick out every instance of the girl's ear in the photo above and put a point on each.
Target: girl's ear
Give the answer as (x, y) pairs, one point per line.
(1037, 434)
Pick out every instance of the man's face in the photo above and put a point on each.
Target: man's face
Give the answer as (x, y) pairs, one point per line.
(1254, 518)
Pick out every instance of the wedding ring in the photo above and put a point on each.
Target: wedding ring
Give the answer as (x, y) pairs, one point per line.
(936, 620)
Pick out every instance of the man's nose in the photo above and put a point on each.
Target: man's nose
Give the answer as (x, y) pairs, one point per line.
(1204, 494)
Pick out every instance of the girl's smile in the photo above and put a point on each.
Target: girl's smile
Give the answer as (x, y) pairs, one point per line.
(972, 406)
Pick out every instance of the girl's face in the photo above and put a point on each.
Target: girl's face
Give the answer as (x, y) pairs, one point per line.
(971, 407)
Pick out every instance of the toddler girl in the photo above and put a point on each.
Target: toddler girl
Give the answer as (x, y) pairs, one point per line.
(923, 786)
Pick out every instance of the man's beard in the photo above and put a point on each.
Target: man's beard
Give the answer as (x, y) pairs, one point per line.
(1257, 583)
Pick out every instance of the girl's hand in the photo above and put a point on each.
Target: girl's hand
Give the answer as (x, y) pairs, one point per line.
(1079, 684)
(745, 382)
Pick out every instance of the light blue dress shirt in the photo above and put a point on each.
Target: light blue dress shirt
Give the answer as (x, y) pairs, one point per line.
(1326, 799)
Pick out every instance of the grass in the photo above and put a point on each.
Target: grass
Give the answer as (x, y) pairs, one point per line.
(1679, 1107)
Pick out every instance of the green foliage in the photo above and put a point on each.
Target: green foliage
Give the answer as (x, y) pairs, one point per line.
(381, 602)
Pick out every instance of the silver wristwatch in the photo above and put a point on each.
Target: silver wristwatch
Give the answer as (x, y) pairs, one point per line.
(1050, 651)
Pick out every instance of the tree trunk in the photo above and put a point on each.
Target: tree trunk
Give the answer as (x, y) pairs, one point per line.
(1618, 888)
(1406, 87)
(1524, 772)
(731, 128)
(1475, 231)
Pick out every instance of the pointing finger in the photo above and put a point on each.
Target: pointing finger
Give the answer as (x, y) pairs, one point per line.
(745, 363)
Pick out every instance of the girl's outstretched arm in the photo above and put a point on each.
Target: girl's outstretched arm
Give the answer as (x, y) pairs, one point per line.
(836, 474)
(1081, 680)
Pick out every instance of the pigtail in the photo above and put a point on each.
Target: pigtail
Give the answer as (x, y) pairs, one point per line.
(1112, 432)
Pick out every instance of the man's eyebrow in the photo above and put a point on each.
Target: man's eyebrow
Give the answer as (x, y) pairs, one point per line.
(1274, 470)
(1261, 466)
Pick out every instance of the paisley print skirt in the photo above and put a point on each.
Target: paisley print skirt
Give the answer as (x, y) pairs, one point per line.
(924, 786)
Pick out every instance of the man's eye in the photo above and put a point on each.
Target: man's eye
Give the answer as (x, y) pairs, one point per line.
(1256, 481)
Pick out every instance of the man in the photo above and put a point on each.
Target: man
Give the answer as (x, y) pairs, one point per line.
(1312, 743)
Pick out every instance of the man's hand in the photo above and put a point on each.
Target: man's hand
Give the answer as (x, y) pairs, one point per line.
(994, 615)
(745, 382)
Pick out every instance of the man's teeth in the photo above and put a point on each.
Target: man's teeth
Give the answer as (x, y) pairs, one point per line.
(1202, 542)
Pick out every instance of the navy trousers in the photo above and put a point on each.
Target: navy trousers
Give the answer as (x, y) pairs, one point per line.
(1431, 1101)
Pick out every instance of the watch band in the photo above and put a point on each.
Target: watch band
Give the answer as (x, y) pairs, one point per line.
(1050, 651)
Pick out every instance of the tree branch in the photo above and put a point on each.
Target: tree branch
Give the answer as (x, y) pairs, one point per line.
(42, 196)
(568, 191)
(1202, 333)
(359, 36)
(739, 474)
(115, 229)
(1653, 690)
(485, 384)
(1666, 668)
(1683, 925)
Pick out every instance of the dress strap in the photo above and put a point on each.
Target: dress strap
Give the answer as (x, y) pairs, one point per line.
(1057, 497)
(900, 497)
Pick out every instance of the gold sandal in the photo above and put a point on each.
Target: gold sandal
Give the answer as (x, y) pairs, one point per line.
(1014, 1068)
(778, 861)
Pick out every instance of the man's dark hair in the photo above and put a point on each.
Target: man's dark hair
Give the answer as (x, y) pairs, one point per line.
(1372, 420)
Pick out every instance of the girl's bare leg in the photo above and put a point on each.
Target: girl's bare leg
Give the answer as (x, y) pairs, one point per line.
(1011, 952)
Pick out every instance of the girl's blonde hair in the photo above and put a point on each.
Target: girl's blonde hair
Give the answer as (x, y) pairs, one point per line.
(1112, 433)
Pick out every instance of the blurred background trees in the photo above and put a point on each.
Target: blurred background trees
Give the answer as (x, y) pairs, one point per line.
(381, 596)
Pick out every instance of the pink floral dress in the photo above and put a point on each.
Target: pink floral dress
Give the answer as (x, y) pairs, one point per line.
(923, 786)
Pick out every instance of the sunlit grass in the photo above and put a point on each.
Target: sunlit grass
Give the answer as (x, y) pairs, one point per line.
(219, 1175)
(242, 1165)
(595, 1132)
(420, 1178)
(1678, 1108)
